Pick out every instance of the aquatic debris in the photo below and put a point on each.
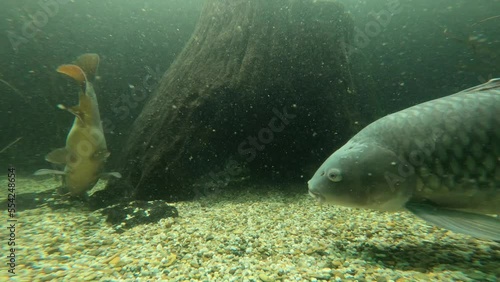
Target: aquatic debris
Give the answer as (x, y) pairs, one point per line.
(14, 89)
(10, 144)
(485, 20)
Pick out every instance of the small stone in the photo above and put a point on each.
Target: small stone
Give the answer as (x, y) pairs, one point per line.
(62, 258)
(122, 262)
(194, 263)
(95, 252)
(171, 259)
(93, 219)
(115, 260)
(53, 250)
(309, 251)
(159, 248)
(337, 263)
(76, 248)
(351, 271)
(321, 276)
(48, 269)
(60, 273)
(48, 277)
(339, 274)
(208, 254)
(264, 277)
(326, 270)
(107, 242)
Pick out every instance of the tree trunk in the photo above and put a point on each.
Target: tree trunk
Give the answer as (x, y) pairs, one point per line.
(262, 90)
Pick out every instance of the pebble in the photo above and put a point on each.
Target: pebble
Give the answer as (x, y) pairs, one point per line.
(264, 277)
(115, 261)
(91, 277)
(337, 263)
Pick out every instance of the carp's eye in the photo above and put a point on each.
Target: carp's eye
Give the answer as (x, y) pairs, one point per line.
(334, 175)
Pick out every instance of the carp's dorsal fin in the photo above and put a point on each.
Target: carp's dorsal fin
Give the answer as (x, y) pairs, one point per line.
(74, 72)
(89, 63)
(75, 110)
(493, 83)
(476, 225)
(58, 156)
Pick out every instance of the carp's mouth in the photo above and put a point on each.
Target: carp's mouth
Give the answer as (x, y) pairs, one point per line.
(320, 198)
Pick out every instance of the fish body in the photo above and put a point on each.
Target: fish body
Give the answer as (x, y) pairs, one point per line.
(85, 151)
(440, 160)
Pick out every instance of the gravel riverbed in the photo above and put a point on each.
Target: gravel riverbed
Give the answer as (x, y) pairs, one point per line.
(238, 235)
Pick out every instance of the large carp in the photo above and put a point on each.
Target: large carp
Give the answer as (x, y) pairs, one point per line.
(440, 160)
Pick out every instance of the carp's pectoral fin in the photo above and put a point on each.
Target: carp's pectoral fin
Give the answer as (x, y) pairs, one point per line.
(58, 156)
(88, 63)
(75, 110)
(76, 73)
(108, 175)
(48, 171)
(476, 225)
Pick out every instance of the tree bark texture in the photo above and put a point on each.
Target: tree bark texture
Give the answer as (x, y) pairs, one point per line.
(264, 84)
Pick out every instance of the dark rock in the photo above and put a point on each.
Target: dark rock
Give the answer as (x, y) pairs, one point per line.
(127, 215)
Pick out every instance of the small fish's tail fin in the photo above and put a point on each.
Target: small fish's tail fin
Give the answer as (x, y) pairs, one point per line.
(74, 72)
(89, 63)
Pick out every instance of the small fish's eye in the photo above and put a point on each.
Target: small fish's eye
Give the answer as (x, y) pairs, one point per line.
(334, 175)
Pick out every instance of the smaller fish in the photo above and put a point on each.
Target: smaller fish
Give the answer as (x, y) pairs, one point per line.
(85, 152)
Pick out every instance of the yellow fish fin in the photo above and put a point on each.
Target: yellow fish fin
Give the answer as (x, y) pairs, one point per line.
(75, 110)
(74, 72)
(89, 63)
(58, 156)
(101, 155)
(108, 175)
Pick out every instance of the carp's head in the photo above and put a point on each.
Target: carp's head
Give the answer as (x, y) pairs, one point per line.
(363, 176)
